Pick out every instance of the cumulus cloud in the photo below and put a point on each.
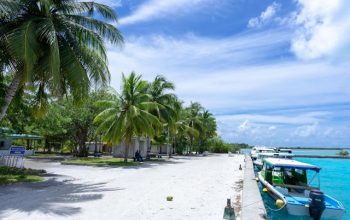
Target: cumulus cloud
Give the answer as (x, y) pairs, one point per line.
(158, 8)
(233, 69)
(232, 77)
(265, 16)
(307, 130)
(243, 126)
(271, 128)
(323, 27)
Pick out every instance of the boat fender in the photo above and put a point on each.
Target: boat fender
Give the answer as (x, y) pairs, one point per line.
(257, 179)
(265, 189)
(317, 204)
(279, 203)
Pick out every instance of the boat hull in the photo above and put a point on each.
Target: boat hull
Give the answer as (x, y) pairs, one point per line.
(300, 210)
(258, 164)
(297, 209)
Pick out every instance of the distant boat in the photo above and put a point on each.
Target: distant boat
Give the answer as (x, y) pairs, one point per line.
(258, 162)
(292, 184)
(256, 150)
(284, 150)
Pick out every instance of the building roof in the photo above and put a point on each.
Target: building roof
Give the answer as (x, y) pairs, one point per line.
(12, 134)
(25, 136)
(287, 163)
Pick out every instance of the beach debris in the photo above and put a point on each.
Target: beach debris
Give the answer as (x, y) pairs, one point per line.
(169, 198)
(229, 212)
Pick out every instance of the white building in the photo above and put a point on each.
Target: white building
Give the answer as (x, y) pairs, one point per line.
(143, 145)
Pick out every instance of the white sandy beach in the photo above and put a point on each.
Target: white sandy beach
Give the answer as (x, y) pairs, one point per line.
(199, 185)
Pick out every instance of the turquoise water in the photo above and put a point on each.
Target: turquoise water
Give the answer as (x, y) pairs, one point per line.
(316, 152)
(335, 181)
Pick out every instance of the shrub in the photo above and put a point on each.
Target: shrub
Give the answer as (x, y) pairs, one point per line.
(343, 153)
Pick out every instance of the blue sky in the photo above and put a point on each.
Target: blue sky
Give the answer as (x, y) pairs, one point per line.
(272, 72)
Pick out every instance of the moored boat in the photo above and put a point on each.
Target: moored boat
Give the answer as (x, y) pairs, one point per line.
(256, 150)
(296, 186)
(258, 163)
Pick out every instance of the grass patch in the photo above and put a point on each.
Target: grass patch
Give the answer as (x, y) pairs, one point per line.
(10, 175)
(155, 160)
(44, 155)
(100, 162)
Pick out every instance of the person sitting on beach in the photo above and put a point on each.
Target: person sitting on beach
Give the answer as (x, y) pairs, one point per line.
(138, 156)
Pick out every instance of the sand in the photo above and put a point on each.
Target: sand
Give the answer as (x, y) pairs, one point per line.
(199, 187)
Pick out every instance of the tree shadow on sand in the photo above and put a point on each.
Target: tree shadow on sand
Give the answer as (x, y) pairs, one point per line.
(52, 197)
(152, 164)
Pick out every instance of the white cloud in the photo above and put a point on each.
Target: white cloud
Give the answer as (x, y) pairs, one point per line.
(231, 68)
(323, 27)
(231, 75)
(282, 118)
(328, 131)
(271, 128)
(265, 16)
(160, 8)
(307, 131)
(243, 126)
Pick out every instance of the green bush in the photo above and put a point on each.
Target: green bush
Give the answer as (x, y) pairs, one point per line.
(19, 171)
(217, 145)
(343, 153)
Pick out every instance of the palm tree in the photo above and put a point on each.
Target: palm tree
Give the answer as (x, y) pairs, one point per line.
(128, 116)
(159, 89)
(208, 129)
(179, 125)
(194, 121)
(56, 45)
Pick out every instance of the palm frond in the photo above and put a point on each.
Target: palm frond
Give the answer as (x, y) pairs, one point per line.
(24, 46)
(105, 30)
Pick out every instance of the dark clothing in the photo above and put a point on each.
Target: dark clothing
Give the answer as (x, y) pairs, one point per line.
(138, 156)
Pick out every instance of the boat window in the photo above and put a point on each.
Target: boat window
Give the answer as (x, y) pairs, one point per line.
(277, 176)
(313, 179)
(268, 173)
(299, 171)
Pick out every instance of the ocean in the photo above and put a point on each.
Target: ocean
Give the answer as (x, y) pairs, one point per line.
(335, 181)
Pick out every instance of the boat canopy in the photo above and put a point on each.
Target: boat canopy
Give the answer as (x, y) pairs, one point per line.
(285, 163)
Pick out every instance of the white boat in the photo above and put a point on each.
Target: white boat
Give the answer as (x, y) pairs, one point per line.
(284, 150)
(256, 150)
(258, 162)
(294, 184)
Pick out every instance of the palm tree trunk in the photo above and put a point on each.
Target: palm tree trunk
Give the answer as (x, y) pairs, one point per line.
(126, 152)
(10, 93)
(170, 146)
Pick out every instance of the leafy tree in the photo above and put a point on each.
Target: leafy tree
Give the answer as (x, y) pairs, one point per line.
(129, 115)
(80, 128)
(180, 129)
(67, 122)
(194, 121)
(343, 153)
(52, 126)
(207, 130)
(55, 45)
(159, 91)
